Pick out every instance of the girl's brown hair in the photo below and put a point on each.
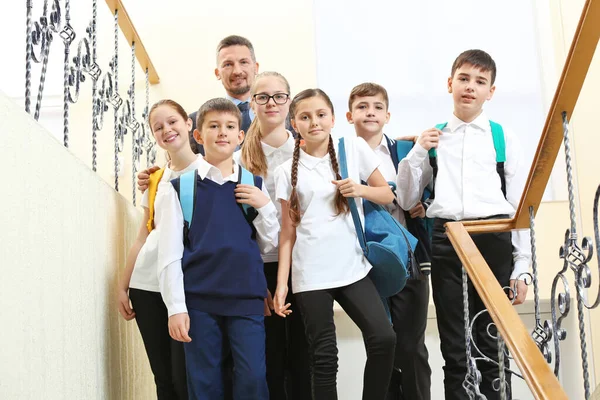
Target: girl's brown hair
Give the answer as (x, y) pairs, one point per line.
(253, 156)
(341, 204)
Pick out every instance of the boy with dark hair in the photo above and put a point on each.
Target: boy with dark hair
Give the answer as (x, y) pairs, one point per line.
(209, 265)
(481, 176)
(368, 112)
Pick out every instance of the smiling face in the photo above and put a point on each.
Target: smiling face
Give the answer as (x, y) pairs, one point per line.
(236, 70)
(220, 134)
(470, 88)
(369, 114)
(170, 129)
(313, 120)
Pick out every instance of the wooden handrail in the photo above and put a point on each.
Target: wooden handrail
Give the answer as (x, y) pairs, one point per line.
(571, 81)
(536, 371)
(132, 36)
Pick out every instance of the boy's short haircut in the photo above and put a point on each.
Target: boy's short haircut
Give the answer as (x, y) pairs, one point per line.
(235, 40)
(219, 105)
(368, 89)
(477, 58)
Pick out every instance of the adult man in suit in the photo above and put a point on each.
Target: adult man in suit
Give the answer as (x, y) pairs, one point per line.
(236, 69)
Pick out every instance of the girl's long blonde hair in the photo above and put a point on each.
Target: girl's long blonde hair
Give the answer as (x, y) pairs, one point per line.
(253, 156)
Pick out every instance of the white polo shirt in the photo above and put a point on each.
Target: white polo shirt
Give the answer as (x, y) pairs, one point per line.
(275, 157)
(144, 272)
(326, 253)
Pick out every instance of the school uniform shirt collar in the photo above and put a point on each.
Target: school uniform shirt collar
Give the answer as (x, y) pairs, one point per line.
(311, 162)
(289, 143)
(383, 145)
(480, 122)
(207, 170)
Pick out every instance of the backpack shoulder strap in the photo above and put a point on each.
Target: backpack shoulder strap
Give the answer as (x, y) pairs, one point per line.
(500, 147)
(433, 152)
(499, 144)
(155, 178)
(187, 195)
(245, 177)
(392, 147)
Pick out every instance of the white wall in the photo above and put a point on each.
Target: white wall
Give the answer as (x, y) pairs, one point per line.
(65, 235)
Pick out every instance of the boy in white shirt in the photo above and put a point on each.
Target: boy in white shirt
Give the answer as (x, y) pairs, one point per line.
(211, 273)
(368, 111)
(471, 184)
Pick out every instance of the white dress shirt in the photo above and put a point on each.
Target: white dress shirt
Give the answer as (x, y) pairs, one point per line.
(169, 219)
(275, 157)
(467, 185)
(326, 253)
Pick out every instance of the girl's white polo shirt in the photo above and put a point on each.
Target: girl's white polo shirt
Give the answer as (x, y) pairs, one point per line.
(326, 253)
(144, 274)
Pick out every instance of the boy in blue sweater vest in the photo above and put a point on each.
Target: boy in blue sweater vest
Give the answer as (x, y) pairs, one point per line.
(211, 276)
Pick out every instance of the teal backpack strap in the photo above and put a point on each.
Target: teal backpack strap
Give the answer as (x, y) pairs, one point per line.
(499, 144)
(187, 195)
(433, 152)
(246, 178)
(433, 162)
(500, 147)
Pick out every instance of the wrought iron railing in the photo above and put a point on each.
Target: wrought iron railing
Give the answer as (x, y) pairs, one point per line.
(534, 352)
(55, 19)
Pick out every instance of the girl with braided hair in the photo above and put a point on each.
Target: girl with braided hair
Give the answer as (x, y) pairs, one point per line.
(267, 145)
(318, 243)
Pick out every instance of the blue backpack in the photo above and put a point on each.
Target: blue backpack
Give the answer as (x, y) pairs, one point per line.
(386, 244)
(421, 228)
(187, 196)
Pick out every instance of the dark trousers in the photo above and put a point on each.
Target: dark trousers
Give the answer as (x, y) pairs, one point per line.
(288, 368)
(361, 302)
(205, 353)
(166, 355)
(412, 374)
(446, 282)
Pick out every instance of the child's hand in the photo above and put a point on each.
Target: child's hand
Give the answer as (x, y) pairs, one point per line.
(249, 194)
(124, 308)
(521, 291)
(144, 178)
(281, 308)
(268, 304)
(348, 188)
(430, 139)
(417, 211)
(179, 326)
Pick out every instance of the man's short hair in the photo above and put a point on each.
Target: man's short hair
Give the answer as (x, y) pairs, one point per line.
(235, 40)
(368, 89)
(477, 58)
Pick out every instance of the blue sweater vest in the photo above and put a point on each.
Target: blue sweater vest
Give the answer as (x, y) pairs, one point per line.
(223, 271)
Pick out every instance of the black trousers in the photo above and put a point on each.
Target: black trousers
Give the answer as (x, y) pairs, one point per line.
(166, 356)
(446, 282)
(288, 369)
(361, 302)
(411, 379)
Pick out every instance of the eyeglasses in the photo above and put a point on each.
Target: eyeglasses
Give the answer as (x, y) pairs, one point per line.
(278, 98)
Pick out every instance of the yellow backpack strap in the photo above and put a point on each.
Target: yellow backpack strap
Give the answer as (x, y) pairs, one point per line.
(155, 178)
